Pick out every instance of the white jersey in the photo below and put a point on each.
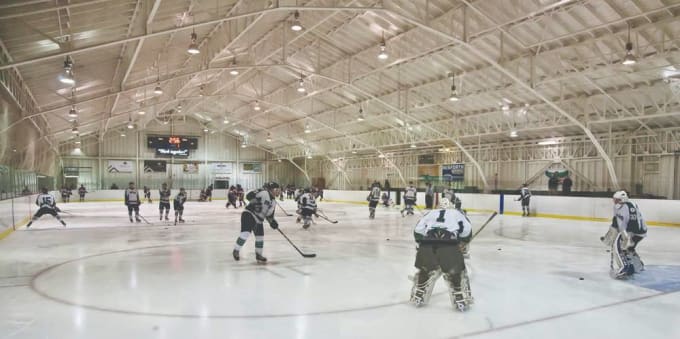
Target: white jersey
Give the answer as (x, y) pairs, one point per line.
(131, 196)
(525, 193)
(449, 194)
(629, 218)
(455, 224)
(262, 205)
(307, 202)
(410, 193)
(46, 200)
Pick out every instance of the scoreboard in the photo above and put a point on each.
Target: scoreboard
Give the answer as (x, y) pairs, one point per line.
(172, 142)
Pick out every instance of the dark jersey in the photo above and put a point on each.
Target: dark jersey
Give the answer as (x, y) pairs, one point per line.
(165, 196)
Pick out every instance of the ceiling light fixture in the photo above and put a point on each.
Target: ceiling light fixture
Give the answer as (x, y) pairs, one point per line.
(307, 129)
(74, 130)
(206, 130)
(158, 90)
(130, 125)
(122, 134)
(296, 25)
(413, 146)
(244, 144)
(66, 76)
(513, 134)
(234, 70)
(548, 142)
(301, 85)
(256, 106)
(269, 137)
(361, 115)
(226, 121)
(72, 113)
(383, 53)
(381, 155)
(193, 46)
(454, 92)
(629, 59)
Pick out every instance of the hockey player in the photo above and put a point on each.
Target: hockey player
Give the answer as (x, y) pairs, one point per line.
(164, 201)
(450, 194)
(439, 235)
(231, 197)
(240, 193)
(261, 206)
(132, 201)
(307, 208)
(178, 204)
(525, 196)
(65, 194)
(628, 228)
(409, 199)
(373, 198)
(48, 205)
(81, 192)
(147, 194)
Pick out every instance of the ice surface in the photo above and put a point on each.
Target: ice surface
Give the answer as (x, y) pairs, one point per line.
(104, 277)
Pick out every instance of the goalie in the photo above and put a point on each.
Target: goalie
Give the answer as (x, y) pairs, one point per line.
(628, 228)
(440, 235)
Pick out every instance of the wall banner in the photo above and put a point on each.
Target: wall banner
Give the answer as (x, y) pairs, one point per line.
(119, 166)
(453, 172)
(191, 168)
(222, 167)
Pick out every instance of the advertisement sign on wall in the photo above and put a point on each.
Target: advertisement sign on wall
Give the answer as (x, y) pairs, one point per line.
(453, 172)
(119, 166)
(190, 168)
(151, 166)
(252, 168)
(222, 167)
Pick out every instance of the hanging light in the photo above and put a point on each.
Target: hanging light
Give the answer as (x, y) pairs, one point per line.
(72, 113)
(244, 144)
(193, 46)
(74, 130)
(629, 59)
(296, 25)
(383, 53)
(78, 142)
(226, 121)
(269, 137)
(361, 115)
(141, 111)
(66, 76)
(381, 156)
(234, 70)
(307, 129)
(206, 130)
(130, 125)
(413, 146)
(158, 90)
(122, 134)
(454, 92)
(301, 85)
(513, 134)
(256, 106)
(309, 156)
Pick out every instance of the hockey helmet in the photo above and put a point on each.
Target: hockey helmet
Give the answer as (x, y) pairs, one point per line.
(43, 190)
(444, 203)
(181, 189)
(622, 196)
(271, 185)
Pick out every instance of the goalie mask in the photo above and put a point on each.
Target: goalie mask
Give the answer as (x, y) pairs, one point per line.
(620, 197)
(444, 203)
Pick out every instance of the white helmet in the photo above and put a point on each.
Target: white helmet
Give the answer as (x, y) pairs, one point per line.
(444, 203)
(621, 195)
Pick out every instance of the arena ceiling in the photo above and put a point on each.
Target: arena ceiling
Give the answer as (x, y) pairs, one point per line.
(521, 70)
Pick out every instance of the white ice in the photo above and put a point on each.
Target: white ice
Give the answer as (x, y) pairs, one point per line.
(104, 277)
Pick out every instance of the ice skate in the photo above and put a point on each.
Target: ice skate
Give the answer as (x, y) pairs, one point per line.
(29, 224)
(161, 217)
(181, 220)
(166, 218)
(175, 221)
(459, 301)
(402, 213)
(131, 219)
(137, 219)
(260, 258)
(235, 254)
(63, 222)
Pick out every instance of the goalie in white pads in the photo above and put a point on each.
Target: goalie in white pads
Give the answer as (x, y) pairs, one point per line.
(439, 235)
(628, 228)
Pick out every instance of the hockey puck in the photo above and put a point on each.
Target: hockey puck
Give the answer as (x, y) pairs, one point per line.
(499, 249)
(581, 278)
(388, 239)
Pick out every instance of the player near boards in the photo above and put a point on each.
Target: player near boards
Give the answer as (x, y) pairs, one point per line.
(261, 205)
(524, 196)
(409, 199)
(81, 192)
(231, 197)
(439, 235)
(240, 193)
(628, 228)
(65, 194)
(132, 201)
(373, 198)
(147, 194)
(164, 201)
(178, 204)
(48, 205)
(307, 206)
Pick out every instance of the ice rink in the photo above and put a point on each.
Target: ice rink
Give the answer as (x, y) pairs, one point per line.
(104, 277)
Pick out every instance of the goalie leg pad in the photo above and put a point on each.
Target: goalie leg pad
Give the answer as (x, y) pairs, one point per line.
(620, 264)
(423, 285)
(459, 290)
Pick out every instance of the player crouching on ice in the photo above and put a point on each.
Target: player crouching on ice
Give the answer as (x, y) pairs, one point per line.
(628, 228)
(48, 205)
(261, 206)
(439, 235)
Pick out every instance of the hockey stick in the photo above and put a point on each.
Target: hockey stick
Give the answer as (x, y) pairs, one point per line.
(146, 221)
(305, 255)
(284, 211)
(325, 217)
(484, 225)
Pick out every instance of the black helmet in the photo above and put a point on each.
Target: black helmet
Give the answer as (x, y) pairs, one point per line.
(271, 185)
(43, 190)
